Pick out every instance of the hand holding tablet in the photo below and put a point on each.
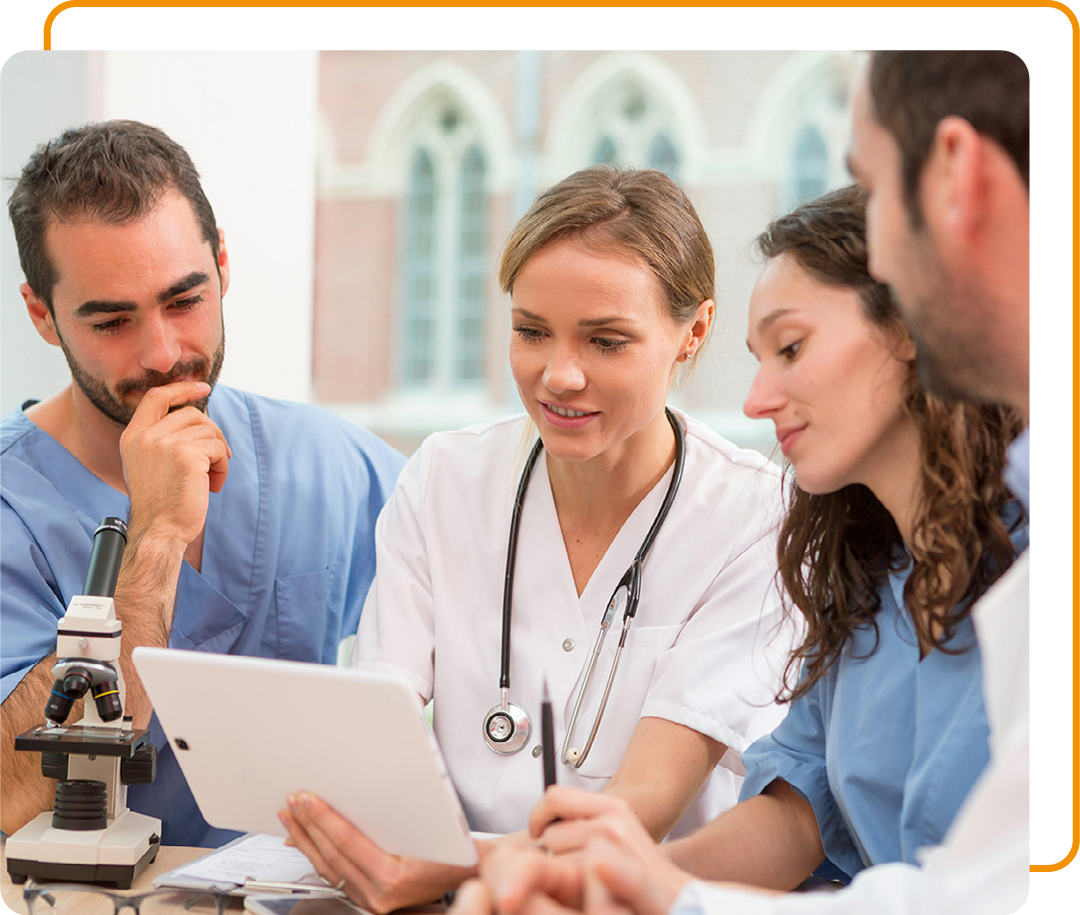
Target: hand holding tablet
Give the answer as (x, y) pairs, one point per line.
(250, 732)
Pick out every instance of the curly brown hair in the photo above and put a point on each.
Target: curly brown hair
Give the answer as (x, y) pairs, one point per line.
(836, 549)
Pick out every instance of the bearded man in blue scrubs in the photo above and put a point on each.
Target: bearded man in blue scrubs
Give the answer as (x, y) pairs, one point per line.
(250, 521)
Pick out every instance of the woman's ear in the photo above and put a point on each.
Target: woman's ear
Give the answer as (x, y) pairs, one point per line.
(904, 347)
(699, 326)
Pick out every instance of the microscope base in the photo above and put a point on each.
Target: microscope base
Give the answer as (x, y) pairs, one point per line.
(112, 856)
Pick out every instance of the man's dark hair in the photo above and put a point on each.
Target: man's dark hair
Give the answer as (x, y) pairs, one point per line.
(912, 91)
(114, 172)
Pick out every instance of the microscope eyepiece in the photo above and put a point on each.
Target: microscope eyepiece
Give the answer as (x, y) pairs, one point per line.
(110, 538)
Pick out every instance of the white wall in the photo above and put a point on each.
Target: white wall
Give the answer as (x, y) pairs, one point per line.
(248, 121)
(40, 95)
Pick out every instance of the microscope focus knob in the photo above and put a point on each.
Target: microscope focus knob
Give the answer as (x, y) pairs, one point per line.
(141, 768)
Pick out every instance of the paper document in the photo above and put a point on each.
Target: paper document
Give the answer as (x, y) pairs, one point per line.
(247, 865)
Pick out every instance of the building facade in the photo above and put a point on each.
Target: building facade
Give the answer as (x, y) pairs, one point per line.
(426, 159)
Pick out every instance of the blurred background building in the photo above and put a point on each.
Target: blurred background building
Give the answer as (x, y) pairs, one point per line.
(369, 193)
(425, 160)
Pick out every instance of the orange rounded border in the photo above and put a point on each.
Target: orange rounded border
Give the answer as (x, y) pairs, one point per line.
(1054, 4)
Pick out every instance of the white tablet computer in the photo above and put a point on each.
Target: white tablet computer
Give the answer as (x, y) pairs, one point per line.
(248, 732)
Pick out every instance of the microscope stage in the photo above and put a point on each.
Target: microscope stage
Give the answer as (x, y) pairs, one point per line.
(83, 740)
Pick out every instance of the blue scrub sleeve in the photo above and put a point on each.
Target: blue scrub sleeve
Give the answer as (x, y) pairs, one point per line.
(381, 468)
(31, 602)
(795, 752)
(29, 607)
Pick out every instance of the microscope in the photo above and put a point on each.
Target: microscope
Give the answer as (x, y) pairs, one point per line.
(90, 835)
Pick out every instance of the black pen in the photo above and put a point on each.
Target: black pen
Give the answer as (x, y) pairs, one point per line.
(547, 737)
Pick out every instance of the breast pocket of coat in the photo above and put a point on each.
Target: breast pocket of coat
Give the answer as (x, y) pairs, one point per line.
(307, 627)
(629, 690)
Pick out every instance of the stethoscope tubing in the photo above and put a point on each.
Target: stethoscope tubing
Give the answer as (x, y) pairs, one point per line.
(631, 580)
(603, 699)
(511, 561)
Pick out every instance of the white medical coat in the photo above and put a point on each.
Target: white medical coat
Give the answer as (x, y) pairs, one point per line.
(705, 650)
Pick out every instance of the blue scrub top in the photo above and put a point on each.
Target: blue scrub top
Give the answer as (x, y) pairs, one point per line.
(885, 746)
(1018, 469)
(288, 553)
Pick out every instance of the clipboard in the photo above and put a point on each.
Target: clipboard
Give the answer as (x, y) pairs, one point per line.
(248, 732)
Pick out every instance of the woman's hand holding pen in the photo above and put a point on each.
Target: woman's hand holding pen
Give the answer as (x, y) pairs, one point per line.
(567, 819)
(372, 878)
(603, 879)
(522, 880)
(592, 854)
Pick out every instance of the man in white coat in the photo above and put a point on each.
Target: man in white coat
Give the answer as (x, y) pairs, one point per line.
(940, 143)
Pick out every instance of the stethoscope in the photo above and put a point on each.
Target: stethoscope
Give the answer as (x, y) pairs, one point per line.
(507, 725)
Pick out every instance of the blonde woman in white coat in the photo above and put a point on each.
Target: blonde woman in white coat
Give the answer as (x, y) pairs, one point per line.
(611, 280)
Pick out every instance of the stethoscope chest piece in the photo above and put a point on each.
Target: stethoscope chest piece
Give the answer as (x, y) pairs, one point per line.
(506, 728)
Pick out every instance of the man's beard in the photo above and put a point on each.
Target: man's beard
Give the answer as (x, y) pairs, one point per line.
(111, 405)
(953, 354)
(947, 346)
(935, 377)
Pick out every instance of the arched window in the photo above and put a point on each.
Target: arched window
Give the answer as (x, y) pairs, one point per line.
(471, 266)
(419, 270)
(809, 165)
(662, 155)
(444, 252)
(632, 128)
(606, 153)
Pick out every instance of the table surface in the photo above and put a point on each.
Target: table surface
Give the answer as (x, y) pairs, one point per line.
(167, 858)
